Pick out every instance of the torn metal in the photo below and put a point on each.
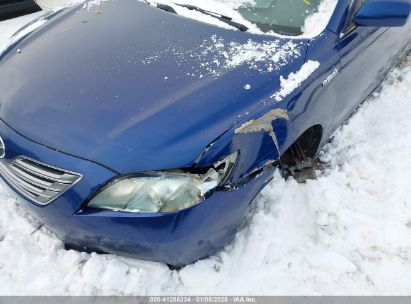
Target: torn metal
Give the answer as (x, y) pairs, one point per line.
(264, 124)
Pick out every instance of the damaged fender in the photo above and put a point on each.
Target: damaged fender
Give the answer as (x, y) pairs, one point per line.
(258, 141)
(264, 124)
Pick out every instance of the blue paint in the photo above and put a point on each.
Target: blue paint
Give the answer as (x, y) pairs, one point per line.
(109, 94)
(384, 13)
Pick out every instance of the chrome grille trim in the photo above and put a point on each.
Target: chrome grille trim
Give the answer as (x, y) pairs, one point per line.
(37, 181)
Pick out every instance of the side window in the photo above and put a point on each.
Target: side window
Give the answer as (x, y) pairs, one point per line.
(353, 11)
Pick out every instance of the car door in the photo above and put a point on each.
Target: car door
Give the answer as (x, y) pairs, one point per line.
(367, 54)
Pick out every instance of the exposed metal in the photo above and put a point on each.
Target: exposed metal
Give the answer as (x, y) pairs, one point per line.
(294, 162)
(264, 123)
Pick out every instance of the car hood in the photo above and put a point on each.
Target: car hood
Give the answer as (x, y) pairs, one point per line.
(135, 88)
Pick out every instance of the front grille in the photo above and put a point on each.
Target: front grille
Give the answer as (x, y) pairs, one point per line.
(37, 181)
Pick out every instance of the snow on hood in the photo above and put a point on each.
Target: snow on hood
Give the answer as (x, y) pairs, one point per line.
(263, 56)
(121, 85)
(294, 80)
(314, 24)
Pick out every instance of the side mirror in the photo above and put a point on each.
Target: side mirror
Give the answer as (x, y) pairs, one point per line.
(383, 13)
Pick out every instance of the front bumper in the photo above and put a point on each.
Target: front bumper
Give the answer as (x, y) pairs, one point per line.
(175, 238)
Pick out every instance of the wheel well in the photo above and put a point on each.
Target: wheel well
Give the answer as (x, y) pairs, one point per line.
(310, 140)
(299, 159)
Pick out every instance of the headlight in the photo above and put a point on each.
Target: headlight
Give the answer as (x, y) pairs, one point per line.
(162, 191)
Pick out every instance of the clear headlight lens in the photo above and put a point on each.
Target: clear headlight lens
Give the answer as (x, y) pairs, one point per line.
(162, 191)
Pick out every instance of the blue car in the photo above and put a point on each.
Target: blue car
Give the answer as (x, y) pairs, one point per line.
(131, 129)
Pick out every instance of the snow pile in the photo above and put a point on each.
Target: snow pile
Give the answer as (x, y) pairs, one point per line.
(263, 56)
(317, 22)
(215, 53)
(349, 232)
(24, 32)
(294, 80)
(88, 5)
(55, 5)
(9, 34)
(237, 3)
(51, 5)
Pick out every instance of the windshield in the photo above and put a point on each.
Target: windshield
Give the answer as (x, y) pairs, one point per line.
(285, 17)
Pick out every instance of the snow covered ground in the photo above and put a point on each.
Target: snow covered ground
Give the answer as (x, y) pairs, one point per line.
(349, 232)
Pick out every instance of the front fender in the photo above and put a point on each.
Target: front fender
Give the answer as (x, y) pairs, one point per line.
(257, 147)
(261, 138)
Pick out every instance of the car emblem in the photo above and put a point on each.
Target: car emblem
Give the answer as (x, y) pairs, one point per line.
(330, 77)
(2, 148)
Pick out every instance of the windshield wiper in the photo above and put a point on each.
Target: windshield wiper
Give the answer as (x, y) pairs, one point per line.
(226, 19)
(223, 18)
(166, 8)
(162, 6)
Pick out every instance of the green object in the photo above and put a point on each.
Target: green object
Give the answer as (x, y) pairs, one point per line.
(285, 17)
